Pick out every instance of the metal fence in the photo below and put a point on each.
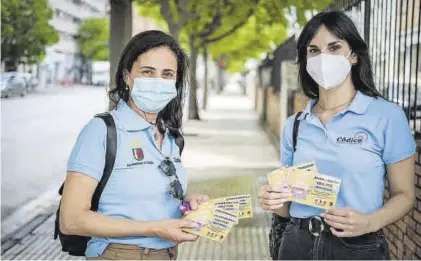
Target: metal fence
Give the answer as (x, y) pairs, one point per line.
(392, 29)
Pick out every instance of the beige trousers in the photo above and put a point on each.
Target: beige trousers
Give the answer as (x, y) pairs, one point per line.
(131, 252)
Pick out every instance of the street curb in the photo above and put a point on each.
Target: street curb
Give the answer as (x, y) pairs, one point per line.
(41, 206)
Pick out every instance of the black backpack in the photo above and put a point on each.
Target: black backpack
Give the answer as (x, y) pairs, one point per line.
(76, 245)
(279, 223)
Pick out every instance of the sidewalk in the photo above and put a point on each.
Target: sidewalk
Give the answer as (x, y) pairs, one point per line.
(226, 153)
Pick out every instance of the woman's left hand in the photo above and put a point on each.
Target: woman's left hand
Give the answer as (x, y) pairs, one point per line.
(347, 222)
(193, 201)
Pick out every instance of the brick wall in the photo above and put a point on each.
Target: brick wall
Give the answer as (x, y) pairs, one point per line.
(404, 237)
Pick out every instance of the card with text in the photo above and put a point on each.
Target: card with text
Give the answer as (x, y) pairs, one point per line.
(244, 202)
(217, 217)
(308, 187)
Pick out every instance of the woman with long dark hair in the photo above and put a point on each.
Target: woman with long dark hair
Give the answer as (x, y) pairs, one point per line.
(352, 133)
(139, 210)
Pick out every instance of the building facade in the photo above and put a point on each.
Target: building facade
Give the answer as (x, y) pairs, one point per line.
(63, 63)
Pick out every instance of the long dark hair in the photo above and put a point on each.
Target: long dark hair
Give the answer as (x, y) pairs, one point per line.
(172, 115)
(340, 25)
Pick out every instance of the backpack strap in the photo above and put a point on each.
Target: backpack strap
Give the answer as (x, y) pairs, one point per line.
(295, 130)
(110, 156)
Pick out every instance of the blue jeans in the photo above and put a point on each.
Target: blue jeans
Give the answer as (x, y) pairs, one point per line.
(311, 239)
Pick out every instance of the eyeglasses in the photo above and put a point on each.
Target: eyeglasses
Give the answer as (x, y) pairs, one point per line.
(168, 168)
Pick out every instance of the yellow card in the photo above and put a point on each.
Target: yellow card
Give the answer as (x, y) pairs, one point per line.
(244, 202)
(280, 175)
(307, 185)
(232, 207)
(314, 189)
(215, 231)
(215, 227)
(202, 215)
(233, 216)
(217, 217)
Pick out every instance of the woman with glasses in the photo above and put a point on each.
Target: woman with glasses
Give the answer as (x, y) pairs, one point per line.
(139, 213)
(352, 133)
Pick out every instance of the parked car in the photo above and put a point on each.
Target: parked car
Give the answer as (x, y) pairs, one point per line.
(12, 84)
(401, 95)
(101, 73)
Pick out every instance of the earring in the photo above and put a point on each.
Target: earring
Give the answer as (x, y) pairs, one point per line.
(127, 87)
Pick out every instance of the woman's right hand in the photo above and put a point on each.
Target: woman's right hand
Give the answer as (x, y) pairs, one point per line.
(172, 230)
(273, 197)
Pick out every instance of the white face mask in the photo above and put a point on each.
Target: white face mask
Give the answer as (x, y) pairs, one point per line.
(153, 94)
(329, 70)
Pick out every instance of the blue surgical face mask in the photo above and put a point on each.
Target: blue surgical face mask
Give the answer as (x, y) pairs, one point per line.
(153, 94)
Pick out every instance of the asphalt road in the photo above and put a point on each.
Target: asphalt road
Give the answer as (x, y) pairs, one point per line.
(37, 135)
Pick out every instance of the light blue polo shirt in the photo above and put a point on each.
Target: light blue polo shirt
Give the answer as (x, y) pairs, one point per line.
(137, 189)
(355, 145)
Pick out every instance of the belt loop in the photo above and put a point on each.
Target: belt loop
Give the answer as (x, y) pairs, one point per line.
(297, 221)
(170, 253)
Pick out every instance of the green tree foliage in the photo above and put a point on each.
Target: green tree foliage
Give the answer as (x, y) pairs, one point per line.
(248, 42)
(93, 39)
(199, 23)
(25, 31)
(229, 29)
(266, 29)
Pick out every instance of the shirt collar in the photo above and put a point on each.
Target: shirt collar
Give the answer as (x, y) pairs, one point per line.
(359, 105)
(129, 119)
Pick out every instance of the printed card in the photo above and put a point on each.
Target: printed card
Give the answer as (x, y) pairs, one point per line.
(244, 202)
(217, 217)
(314, 189)
(280, 175)
(233, 216)
(215, 230)
(307, 185)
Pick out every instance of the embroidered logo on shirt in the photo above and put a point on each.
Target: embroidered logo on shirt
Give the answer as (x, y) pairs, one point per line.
(138, 154)
(358, 139)
(137, 150)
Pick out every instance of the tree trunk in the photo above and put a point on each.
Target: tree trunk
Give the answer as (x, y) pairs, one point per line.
(244, 84)
(89, 71)
(205, 90)
(82, 70)
(121, 30)
(193, 107)
(10, 66)
(220, 79)
(175, 32)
